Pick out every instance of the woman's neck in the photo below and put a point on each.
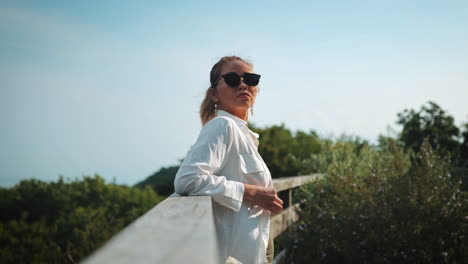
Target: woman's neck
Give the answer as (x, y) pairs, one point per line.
(244, 115)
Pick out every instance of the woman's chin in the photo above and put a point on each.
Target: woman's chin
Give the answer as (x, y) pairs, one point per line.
(245, 103)
(245, 107)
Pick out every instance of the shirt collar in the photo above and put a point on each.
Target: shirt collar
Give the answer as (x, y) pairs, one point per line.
(242, 124)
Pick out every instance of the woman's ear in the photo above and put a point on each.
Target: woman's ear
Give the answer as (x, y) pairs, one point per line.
(214, 95)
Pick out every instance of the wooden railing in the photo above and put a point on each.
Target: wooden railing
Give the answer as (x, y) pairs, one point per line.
(283, 220)
(182, 230)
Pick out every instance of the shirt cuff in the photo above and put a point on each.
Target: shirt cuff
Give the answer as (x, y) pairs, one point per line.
(235, 195)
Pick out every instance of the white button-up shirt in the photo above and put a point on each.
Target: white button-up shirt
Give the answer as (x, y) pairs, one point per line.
(224, 157)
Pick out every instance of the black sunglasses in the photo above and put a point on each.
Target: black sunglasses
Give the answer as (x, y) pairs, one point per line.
(233, 79)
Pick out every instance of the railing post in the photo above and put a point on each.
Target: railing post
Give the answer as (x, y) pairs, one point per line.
(280, 222)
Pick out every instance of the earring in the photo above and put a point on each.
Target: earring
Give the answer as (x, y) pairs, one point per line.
(251, 110)
(216, 106)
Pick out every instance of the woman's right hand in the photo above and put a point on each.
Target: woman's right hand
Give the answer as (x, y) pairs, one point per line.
(267, 198)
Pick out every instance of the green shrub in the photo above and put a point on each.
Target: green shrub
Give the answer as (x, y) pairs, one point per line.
(375, 206)
(60, 222)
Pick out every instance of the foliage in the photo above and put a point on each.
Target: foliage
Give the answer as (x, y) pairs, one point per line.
(161, 181)
(464, 145)
(344, 150)
(431, 122)
(60, 222)
(286, 153)
(381, 206)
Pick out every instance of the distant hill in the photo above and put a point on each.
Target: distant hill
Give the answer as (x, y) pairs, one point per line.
(161, 181)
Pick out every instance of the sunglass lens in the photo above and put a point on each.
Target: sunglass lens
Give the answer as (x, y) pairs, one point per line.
(232, 79)
(251, 79)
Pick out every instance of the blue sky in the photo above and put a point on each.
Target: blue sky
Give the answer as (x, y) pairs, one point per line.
(113, 87)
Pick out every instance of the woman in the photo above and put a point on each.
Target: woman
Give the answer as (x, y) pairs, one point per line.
(224, 163)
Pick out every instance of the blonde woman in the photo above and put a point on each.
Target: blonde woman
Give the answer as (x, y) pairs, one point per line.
(224, 163)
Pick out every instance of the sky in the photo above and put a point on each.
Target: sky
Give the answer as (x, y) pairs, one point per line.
(114, 87)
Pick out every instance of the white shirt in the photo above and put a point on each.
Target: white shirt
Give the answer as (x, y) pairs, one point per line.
(224, 156)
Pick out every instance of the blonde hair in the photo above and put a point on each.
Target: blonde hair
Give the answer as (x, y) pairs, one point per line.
(207, 107)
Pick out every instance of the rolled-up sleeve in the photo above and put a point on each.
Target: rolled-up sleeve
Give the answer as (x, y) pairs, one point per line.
(196, 173)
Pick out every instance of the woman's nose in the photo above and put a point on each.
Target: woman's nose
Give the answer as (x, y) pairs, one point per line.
(242, 85)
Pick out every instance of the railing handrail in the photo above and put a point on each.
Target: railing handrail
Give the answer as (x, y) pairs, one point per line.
(285, 183)
(170, 232)
(181, 230)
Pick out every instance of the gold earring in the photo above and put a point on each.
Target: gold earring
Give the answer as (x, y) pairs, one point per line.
(251, 110)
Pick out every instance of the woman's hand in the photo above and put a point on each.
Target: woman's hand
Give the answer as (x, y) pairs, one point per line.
(267, 198)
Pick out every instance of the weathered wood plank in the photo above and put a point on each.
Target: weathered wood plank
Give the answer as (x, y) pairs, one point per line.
(177, 230)
(280, 222)
(285, 183)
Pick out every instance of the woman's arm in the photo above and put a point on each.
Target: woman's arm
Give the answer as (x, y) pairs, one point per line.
(196, 173)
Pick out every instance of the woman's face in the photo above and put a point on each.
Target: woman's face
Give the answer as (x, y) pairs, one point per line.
(235, 100)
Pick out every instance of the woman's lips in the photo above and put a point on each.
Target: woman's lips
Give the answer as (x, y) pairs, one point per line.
(244, 95)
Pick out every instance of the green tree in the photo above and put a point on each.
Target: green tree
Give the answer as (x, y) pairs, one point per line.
(464, 145)
(161, 181)
(431, 122)
(285, 152)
